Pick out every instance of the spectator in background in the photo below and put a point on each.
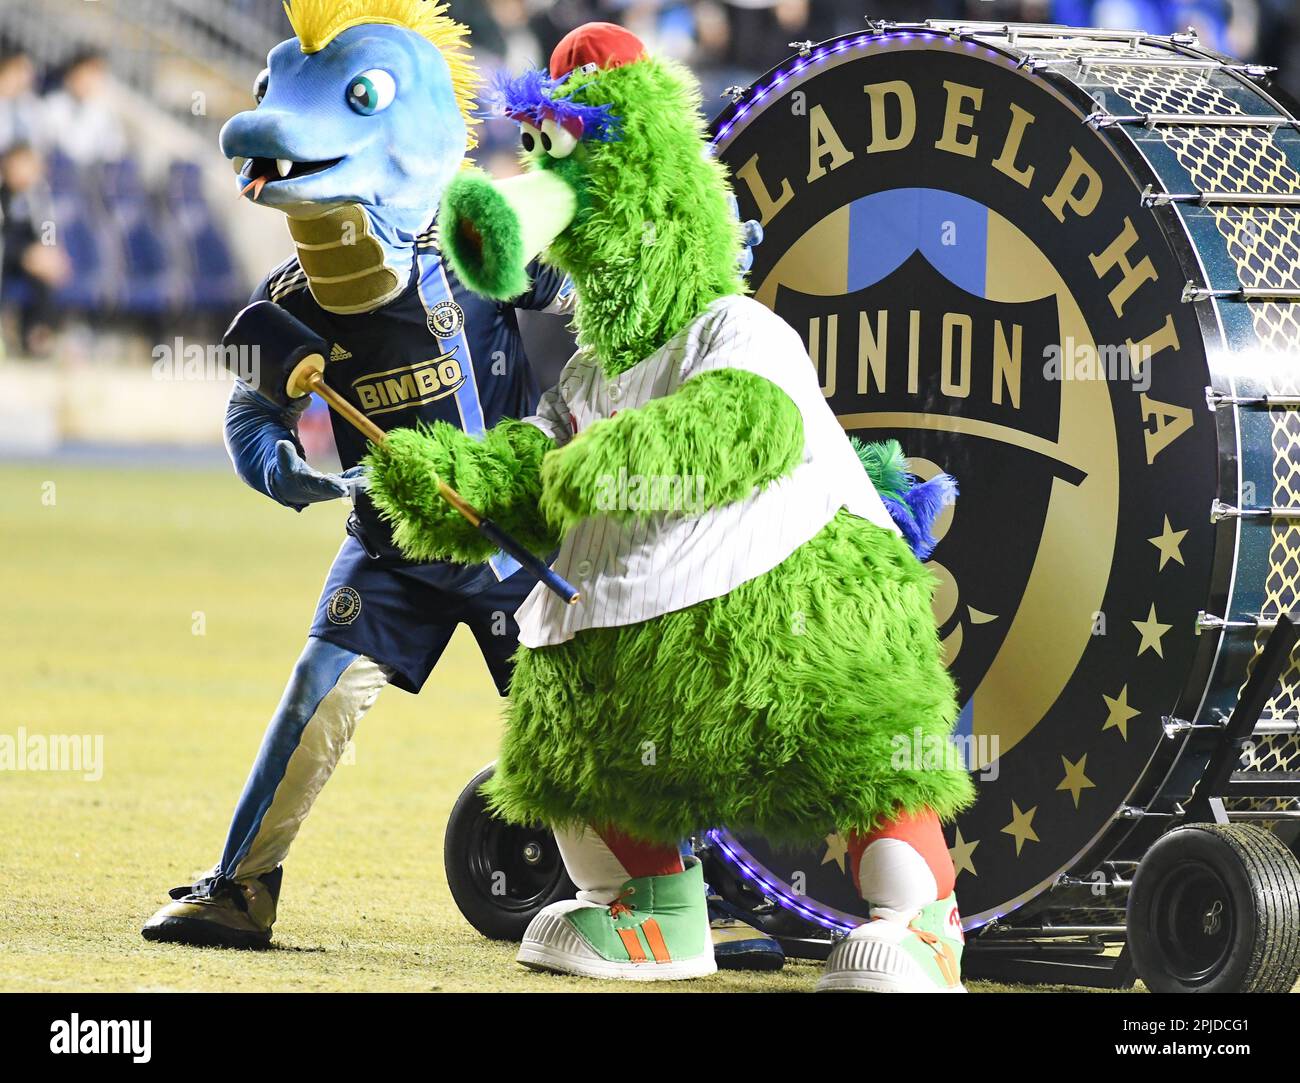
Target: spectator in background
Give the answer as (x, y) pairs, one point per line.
(19, 108)
(80, 118)
(34, 266)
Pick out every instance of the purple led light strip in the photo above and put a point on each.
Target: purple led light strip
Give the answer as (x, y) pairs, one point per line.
(823, 51)
(777, 894)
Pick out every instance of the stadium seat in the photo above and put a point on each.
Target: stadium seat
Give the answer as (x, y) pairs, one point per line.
(153, 280)
(216, 283)
(90, 247)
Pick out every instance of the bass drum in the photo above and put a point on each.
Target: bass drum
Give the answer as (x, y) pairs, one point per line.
(1063, 266)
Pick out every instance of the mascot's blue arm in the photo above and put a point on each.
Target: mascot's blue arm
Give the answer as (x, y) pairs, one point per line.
(262, 441)
(254, 426)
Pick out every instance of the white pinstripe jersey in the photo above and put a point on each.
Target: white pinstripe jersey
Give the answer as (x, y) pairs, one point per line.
(633, 568)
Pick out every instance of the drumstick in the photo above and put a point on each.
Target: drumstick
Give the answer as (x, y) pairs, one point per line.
(308, 376)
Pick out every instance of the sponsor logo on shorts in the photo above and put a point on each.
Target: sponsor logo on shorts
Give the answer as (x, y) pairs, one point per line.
(344, 606)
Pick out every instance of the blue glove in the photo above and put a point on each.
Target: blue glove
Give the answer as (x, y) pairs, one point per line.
(294, 483)
(264, 449)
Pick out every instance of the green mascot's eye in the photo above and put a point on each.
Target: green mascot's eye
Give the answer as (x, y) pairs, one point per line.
(371, 92)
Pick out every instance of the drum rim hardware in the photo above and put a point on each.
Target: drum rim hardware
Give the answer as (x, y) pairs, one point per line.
(1176, 727)
(1101, 119)
(1217, 399)
(1153, 198)
(1110, 60)
(1013, 32)
(1221, 510)
(1192, 292)
(1210, 622)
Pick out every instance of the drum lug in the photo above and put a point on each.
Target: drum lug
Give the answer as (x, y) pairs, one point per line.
(1133, 812)
(1216, 399)
(1175, 727)
(804, 48)
(734, 93)
(1193, 292)
(1102, 119)
(1221, 510)
(1208, 622)
(1152, 198)
(1113, 882)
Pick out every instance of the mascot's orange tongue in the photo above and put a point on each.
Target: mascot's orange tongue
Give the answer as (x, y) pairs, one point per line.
(255, 186)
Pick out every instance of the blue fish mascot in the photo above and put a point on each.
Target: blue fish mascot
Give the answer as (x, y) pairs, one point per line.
(362, 120)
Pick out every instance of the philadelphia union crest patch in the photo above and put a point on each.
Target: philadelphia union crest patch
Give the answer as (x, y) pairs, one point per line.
(446, 319)
(344, 606)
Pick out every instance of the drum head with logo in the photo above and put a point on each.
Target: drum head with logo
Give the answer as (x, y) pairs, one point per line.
(974, 274)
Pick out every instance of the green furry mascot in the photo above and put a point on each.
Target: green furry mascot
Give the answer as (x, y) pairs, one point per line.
(755, 630)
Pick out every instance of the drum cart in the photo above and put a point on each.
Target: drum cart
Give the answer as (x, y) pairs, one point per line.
(1176, 864)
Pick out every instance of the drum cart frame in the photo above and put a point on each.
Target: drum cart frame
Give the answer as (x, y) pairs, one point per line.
(1049, 951)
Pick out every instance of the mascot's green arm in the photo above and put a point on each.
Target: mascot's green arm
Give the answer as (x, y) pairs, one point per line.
(730, 428)
(499, 474)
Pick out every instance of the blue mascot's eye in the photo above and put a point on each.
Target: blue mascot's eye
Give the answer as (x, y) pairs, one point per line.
(261, 85)
(371, 92)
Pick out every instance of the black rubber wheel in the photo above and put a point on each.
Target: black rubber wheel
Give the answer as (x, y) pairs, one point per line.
(500, 874)
(1215, 908)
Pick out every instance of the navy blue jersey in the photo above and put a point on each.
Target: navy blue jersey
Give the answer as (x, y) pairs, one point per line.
(436, 353)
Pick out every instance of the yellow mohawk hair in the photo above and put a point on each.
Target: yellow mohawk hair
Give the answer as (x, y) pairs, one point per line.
(318, 22)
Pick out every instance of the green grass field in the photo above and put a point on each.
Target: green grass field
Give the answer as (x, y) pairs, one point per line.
(109, 577)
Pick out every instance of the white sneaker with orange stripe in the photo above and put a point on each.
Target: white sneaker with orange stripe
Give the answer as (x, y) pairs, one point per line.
(890, 954)
(657, 929)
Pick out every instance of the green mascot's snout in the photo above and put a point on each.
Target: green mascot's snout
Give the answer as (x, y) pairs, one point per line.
(492, 230)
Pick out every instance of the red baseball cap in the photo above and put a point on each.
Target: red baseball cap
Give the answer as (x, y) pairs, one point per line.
(603, 45)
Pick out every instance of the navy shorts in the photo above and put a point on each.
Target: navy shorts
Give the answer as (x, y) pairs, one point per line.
(403, 615)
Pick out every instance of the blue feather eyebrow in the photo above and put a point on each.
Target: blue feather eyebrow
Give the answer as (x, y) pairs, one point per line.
(531, 95)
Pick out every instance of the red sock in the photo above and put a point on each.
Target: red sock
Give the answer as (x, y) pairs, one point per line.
(923, 833)
(642, 858)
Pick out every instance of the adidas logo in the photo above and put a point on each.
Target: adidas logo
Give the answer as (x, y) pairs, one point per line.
(338, 353)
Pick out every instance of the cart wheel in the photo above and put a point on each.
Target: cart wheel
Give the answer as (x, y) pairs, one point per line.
(1215, 908)
(500, 874)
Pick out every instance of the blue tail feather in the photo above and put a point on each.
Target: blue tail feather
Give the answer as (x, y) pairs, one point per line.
(913, 506)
